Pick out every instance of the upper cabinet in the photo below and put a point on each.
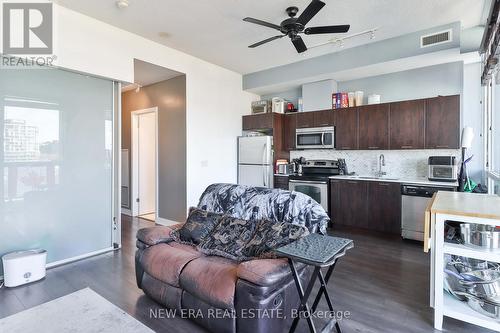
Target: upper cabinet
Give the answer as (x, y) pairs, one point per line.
(305, 119)
(374, 126)
(258, 121)
(346, 128)
(431, 123)
(407, 125)
(289, 126)
(324, 118)
(442, 122)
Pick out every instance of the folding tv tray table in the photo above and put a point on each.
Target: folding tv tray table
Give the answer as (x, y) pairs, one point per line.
(317, 251)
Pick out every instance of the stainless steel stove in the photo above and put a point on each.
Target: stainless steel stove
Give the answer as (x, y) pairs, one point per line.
(314, 179)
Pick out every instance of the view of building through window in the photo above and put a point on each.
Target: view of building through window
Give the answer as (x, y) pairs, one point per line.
(30, 150)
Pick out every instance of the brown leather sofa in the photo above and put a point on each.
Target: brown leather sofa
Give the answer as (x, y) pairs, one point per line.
(223, 295)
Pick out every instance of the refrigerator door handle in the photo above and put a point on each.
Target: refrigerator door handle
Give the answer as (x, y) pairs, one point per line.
(265, 162)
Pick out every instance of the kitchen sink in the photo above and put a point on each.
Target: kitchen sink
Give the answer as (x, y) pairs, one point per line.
(376, 178)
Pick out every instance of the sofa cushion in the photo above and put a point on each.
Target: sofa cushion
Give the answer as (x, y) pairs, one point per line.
(198, 225)
(270, 235)
(165, 262)
(255, 203)
(264, 272)
(157, 234)
(229, 238)
(212, 279)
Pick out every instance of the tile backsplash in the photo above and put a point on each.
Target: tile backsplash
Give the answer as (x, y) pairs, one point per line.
(406, 164)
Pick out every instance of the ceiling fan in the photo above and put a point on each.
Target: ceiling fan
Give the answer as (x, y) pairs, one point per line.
(293, 27)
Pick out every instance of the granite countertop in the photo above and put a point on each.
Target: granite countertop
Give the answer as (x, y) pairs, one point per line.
(388, 178)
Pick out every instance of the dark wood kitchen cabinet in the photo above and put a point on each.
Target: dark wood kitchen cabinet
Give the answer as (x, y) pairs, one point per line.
(281, 182)
(407, 124)
(348, 202)
(289, 126)
(374, 126)
(258, 121)
(346, 128)
(384, 207)
(324, 118)
(305, 119)
(442, 122)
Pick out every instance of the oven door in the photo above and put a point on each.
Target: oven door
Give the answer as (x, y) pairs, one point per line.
(319, 138)
(318, 190)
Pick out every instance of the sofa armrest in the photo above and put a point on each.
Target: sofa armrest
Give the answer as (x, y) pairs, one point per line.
(265, 272)
(157, 234)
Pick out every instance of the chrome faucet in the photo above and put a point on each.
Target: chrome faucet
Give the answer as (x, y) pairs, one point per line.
(381, 163)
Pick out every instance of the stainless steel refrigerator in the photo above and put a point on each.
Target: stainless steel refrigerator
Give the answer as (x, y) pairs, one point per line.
(255, 161)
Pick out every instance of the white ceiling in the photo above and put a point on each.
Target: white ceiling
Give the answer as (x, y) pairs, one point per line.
(213, 30)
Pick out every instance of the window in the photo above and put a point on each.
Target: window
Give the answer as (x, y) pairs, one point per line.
(492, 124)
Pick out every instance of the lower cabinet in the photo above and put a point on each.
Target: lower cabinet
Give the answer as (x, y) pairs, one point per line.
(384, 207)
(366, 204)
(281, 182)
(348, 202)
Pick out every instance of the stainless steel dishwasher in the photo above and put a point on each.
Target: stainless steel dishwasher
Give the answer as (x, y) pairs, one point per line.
(414, 200)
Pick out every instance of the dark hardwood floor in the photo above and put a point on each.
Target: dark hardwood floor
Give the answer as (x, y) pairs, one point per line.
(383, 282)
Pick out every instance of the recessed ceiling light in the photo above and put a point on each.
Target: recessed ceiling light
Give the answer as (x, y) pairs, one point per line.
(122, 4)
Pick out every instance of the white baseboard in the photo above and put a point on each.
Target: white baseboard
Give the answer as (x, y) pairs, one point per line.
(126, 211)
(166, 222)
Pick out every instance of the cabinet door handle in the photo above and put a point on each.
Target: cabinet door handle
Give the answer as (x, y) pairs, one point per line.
(372, 147)
(406, 147)
(352, 182)
(442, 147)
(345, 147)
(383, 184)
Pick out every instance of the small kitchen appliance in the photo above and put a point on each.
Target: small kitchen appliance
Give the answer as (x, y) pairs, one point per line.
(315, 138)
(279, 105)
(443, 168)
(263, 106)
(23, 267)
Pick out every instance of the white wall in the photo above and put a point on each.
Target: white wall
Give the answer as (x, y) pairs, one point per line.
(443, 79)
(215, 99)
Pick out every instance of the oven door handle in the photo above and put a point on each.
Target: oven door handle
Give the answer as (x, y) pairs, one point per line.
(323, 139)
(308, 181)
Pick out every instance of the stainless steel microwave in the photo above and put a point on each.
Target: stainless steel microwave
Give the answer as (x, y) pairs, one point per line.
(315, 138)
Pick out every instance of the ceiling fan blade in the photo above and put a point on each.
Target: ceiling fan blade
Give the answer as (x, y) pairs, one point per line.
(331, 29)
(263, 23)
(266, 41)
(311, 10)
(299, 44)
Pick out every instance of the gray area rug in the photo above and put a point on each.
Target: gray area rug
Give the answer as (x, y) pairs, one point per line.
(81, 311)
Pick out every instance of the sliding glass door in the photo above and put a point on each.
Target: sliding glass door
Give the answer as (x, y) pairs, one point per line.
(56, 162)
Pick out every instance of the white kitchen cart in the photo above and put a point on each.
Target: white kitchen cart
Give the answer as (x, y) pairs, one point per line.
(460, 207)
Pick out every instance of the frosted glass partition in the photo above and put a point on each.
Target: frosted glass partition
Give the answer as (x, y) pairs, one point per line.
(56, 160)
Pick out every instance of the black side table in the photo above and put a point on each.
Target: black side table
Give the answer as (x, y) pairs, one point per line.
(318, 251)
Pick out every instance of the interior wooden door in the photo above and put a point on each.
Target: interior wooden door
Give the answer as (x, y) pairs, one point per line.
(146, 162)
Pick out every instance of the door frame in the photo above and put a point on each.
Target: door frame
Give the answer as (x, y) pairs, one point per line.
(134, 161)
